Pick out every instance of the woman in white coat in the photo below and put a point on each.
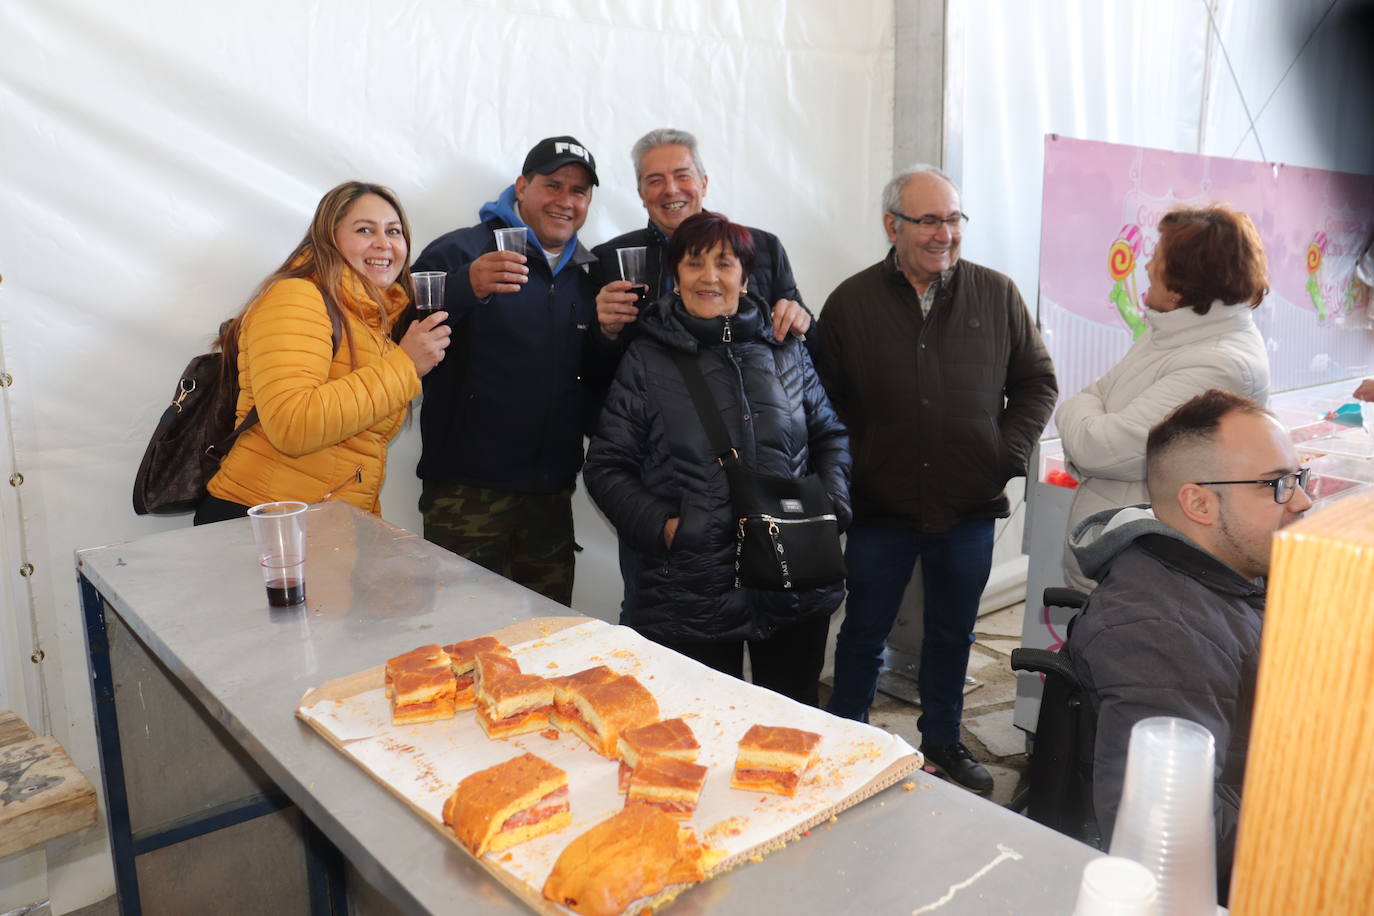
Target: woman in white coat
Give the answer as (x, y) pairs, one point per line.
(1207, 273)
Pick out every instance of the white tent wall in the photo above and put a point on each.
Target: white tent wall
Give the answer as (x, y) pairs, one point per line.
(161, 157)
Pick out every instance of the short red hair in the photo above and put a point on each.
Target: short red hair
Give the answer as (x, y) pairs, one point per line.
(701, 232)
(1212, 253)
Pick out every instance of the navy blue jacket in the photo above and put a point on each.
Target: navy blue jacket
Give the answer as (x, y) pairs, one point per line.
(507, 407)
(650, 460)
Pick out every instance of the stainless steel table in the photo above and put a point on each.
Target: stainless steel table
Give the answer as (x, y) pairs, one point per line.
(195, 600)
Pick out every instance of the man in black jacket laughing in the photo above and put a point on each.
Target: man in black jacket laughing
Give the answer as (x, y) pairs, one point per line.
(672, 182)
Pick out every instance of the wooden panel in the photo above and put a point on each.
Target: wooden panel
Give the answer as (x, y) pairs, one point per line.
(13, 728)
(1305, 842)
(42, 794)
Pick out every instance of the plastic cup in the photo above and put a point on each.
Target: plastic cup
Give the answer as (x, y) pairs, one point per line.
(279, 530)
(634, 263)
(634, 267)
(429, 290)
(1165, 818)
(515, 239)
(1113, 886)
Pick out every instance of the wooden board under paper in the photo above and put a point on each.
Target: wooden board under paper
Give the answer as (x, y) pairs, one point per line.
(422, 763)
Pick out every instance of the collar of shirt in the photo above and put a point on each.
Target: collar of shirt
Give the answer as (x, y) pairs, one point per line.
(928, 298)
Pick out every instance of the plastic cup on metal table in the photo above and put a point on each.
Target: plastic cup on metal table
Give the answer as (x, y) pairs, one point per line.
(1165, 820)
(279, 530)
(1113, 886)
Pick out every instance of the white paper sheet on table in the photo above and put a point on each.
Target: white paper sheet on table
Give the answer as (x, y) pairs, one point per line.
(423, 763)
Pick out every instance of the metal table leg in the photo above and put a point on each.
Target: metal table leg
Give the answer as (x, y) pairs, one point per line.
(111, 757)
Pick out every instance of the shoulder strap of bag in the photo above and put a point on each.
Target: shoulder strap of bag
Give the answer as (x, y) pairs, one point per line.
(716, 434)
(220, 449)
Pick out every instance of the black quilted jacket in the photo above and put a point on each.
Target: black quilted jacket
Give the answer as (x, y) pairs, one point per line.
(650, 461)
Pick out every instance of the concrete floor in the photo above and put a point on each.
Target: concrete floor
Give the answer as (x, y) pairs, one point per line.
(987, 729)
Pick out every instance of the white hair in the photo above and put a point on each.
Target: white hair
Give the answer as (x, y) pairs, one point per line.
(892, 191)
(664, 136)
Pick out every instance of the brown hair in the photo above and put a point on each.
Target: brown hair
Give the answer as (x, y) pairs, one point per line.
(317, 258)
(1193, 424)
(1212, 253)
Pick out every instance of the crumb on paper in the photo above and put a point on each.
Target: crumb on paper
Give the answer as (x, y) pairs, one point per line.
(550, 733)
(730, 826)
(507, 857)
(908, 786)
(833, 818)
(552, 665)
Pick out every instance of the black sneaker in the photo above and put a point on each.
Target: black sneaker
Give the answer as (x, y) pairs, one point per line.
(955, 761)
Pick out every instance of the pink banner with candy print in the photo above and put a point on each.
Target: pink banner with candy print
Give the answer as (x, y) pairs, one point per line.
(1102, 206)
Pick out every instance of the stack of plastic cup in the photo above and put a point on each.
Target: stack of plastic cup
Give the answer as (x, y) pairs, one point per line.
(1113, 886)
(1165, 818)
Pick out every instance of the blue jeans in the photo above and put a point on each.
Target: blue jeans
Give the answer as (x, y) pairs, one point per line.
(955, 566)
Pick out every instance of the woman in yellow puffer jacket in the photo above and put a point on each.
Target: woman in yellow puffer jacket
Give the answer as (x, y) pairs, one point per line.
(326, 408)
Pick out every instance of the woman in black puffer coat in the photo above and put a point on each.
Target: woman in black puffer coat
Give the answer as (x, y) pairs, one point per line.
(651, 470)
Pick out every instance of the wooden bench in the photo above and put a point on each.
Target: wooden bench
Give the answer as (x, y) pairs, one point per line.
(42, 793)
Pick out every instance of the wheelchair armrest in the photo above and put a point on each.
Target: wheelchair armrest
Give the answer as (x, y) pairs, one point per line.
(1064, 597)
(1045, 662)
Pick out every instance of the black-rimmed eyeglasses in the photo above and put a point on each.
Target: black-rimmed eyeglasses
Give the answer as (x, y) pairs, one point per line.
(1285, 485)
(930, 222)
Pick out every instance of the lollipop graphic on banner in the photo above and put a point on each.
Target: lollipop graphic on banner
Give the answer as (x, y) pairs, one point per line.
(1314, 274)
(1121, 262)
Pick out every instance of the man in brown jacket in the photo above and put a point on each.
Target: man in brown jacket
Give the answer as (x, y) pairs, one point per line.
(937, 369)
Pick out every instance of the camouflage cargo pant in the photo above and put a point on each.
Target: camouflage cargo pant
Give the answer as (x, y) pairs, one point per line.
(526, 537)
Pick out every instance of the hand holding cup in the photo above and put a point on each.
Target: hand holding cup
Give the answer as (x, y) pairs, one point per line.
(425, 341)
(498, 272)
(616, 306)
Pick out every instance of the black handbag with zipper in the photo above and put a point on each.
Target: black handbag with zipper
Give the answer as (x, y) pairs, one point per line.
(787, 536)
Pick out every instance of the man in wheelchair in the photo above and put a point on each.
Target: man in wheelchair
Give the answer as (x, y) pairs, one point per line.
(1173, 628)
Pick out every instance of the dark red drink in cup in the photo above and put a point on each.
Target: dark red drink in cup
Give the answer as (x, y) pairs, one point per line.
(634, 267)
(279, 532)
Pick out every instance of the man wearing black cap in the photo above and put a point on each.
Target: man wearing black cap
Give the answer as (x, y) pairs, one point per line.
(502, 423)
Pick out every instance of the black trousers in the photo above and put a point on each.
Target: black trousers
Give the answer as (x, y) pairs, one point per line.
(788, 662)
(213, 509)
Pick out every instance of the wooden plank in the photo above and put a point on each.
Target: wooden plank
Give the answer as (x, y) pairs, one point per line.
(13, 728)
(1305, 843)
(42, 795)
